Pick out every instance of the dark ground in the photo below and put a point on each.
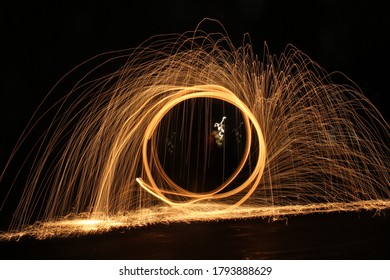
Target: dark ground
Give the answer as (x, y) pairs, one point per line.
(316, 236)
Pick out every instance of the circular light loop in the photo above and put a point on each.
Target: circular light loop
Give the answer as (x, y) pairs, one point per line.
(203, 91)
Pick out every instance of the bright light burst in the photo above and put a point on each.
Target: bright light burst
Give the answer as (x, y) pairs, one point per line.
(192, 128)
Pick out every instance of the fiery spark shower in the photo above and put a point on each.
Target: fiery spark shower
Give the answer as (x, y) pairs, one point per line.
(192, 128)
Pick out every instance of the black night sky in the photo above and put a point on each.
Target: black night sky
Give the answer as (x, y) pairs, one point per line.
(41, 42)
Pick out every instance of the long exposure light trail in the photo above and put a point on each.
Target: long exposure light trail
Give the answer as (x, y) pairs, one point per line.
(192, 128)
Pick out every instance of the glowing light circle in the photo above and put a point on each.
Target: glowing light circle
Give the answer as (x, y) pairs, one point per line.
(203, 91)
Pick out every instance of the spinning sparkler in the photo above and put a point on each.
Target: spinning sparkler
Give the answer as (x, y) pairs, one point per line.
(307, 144)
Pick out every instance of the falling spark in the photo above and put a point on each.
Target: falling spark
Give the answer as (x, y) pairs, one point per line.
(307, 145)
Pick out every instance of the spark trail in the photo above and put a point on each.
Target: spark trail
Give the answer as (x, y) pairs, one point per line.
(307, 144)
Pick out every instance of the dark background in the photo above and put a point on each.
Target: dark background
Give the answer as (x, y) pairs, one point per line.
(41, 42)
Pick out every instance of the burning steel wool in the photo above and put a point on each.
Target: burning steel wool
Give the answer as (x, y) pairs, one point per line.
(190, 127)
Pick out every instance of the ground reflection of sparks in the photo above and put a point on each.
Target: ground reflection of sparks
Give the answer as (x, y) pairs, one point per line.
(184, 213)
(299, 143)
